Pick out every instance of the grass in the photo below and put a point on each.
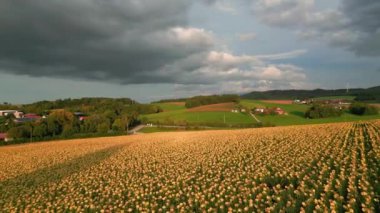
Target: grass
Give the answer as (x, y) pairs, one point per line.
(351, 98)
(168, 129)
(159, 129)
(174, 114)
(200, 117)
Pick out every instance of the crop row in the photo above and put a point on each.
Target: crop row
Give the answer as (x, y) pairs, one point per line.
(329, 167)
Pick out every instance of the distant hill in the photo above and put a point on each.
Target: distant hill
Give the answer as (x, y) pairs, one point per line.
(370, 94)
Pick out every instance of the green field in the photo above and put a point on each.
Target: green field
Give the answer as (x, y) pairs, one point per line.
(159, 129)
(350, 98)
(178, 115)
(173, 129)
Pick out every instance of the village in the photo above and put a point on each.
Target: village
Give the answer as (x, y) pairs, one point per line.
(19, 117)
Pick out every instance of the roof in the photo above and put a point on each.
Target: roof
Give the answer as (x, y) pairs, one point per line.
(79, 114)
(23, 120)
(30, 115)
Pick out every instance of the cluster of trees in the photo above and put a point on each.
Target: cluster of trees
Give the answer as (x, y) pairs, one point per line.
(213, 99)
(86, 105)
(323, 111)
(326, 110)
(366, 97)
(97, 116)
(358, 108)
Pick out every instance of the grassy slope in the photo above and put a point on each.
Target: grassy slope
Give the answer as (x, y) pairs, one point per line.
(296, 112)
(179, 113)
(295, 115)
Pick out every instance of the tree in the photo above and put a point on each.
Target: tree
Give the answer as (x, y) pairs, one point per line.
(68, 130)
(322, 111)
(118, 125)
(40, 130)
(57, 120)
(103, 127)
(19, 132)
(96, 123)
(359, 108)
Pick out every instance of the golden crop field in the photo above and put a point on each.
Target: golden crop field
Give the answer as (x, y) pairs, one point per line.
(318, 168)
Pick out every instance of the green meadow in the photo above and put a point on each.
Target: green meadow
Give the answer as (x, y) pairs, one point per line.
(178, 115)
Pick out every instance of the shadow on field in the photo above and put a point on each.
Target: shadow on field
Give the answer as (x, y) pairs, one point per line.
(28, 182)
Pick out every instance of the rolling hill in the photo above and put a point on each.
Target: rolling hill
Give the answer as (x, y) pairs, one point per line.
(369, 94)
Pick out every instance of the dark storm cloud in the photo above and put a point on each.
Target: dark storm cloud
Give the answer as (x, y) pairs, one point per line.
(355, 25)
(124, 41)
(364, 17)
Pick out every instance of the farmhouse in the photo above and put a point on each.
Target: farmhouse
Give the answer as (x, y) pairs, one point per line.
(279, 111)
(260, 110)
(238, 110)
(267, 111)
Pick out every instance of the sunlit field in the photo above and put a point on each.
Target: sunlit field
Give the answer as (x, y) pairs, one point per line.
(322, 167)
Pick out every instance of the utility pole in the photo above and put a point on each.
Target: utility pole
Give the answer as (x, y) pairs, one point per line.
(224, 117)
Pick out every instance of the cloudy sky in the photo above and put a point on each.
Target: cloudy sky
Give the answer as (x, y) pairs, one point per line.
(150, 50)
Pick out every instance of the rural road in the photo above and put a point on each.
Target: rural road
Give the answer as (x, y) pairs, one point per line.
(136, 129)
(253, 116)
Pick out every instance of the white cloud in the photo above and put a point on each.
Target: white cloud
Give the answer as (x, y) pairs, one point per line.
(226, 7)
(280, 56)
(191, 36)
(236, 73)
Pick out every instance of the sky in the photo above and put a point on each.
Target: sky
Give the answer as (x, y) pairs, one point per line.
(150, 50)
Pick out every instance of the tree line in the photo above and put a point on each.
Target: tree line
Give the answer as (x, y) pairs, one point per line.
(213, 99)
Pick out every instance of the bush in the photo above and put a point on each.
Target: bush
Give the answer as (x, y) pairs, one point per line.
(359, 108)
(322, 111)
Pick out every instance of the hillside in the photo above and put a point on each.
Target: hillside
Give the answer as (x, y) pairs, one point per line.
(369, 94)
